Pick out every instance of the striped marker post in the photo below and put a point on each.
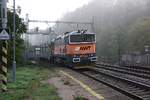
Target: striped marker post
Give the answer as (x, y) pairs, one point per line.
(4, 67)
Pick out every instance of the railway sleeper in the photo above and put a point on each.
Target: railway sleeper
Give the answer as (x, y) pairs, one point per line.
(145, 76)
(146, 96)
(138, 91)
(117, 88)
(134, 89)
(131, 87)
(144, 93)
(127, 68)
(125, 79)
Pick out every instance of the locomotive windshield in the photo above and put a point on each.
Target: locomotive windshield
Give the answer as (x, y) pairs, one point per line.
(82, 38)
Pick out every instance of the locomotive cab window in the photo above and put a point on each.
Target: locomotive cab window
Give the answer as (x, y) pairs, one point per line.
(82, 38)
(66, 39)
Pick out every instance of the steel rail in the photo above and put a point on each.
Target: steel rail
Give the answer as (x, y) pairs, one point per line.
(141, 86)
(126, 71)
(127, 93)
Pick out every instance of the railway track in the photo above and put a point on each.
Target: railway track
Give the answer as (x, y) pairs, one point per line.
(131, 81)
(143, 72)
(125, 76)
(135, 90)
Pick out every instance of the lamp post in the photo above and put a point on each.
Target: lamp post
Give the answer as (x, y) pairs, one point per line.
(14, 45)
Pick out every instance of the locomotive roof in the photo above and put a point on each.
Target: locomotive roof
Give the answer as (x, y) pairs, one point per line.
(72, 33)
(76, 32)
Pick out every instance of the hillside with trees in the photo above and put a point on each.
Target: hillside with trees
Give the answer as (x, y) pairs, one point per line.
(122, 27)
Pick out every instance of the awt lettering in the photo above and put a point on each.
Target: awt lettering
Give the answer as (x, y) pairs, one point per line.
(85, 48)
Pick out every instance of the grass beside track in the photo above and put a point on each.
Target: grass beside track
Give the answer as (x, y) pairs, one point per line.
(31, 84)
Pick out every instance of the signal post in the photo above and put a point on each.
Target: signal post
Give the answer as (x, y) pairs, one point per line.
(4, 36)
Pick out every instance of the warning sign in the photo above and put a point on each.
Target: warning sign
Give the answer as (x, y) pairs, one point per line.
(4, 34)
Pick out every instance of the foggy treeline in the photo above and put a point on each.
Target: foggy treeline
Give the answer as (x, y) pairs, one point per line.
(122, 27)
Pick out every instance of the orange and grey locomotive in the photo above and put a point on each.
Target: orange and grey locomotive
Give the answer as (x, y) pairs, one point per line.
(75, 49)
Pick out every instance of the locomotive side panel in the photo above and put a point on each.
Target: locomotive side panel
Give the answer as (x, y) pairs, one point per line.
(81, 49)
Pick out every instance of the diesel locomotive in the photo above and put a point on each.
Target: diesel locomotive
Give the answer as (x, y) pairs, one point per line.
(75, 49)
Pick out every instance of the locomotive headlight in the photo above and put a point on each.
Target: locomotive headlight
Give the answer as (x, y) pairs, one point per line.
(93, 59)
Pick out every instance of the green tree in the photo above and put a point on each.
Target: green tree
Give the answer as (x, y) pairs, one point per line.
(139, 35)
(20, 29)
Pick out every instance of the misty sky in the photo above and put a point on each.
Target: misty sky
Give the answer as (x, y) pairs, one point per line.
(47, 9)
